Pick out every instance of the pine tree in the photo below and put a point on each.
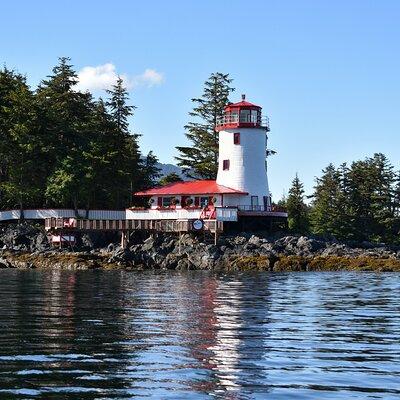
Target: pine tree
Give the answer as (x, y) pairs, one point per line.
(66, 112)
(129, 157)
(103, 158)
(327, 207)
(296, 207)
(173, 177)
(150, 171)
(200, 160)
(65, 124)
(118, 104)
(21, 172)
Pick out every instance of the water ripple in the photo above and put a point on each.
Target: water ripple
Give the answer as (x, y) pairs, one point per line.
(199, 335)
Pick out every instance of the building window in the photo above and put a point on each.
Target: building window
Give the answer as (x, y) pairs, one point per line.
(254, 204)
(167, 201)
(236, 138)
(203, 201)
(225, 165)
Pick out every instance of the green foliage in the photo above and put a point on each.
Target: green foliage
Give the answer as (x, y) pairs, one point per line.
(327, 214)
(296, 208)
(150, 171)
(360, 202)
(170, 178)
(60, 147)
(200, 160)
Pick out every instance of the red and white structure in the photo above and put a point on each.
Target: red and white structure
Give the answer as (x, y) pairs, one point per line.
(241, 188)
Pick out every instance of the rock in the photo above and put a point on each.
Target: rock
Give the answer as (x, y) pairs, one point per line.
(148, 244)
(41, 242)
(307, 246)
(184, 264)
(254, 243)
(239, 240)
(111, 248)
(335, 250)
(121, 255)
(5, 263)
(171, 261)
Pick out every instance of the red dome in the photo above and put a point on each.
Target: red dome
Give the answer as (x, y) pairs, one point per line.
(240, 104)
(242, 115)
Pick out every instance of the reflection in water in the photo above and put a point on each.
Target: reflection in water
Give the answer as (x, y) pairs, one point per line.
(94, 335)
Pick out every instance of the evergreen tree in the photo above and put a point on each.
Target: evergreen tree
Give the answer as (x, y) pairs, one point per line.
(103, 157)
(200, 160)
(21, 172)
(150, 171)
(66, 112)
(170, 178)
(65, 124)
(118, 104)
(296, 208)
(130, 164)
(327, 212)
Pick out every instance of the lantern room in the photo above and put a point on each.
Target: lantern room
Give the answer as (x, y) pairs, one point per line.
(242, 115)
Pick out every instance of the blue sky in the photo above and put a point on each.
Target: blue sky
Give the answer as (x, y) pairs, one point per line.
(326, 72)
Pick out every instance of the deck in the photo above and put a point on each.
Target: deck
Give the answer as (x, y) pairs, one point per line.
(72, 224)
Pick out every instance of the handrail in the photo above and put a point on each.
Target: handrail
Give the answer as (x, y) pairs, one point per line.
(229, 119)
(41, 214)
(260, 208)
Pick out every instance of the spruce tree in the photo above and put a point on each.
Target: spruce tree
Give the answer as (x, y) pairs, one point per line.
(173, 177)
(66, 112)
(327, 208)
(150, 171)
(296, 208)
(200, 159)
(22, 172)
(119, 107)
(129, 164)
(65, 123)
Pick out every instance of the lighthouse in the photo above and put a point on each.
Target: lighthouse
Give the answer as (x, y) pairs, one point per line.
(238, 198)
(242, 155)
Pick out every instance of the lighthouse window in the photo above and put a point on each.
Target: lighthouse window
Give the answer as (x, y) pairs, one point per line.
(233, 117)
(225, 165)
(236, 138)
(254, 116)
(244, 116)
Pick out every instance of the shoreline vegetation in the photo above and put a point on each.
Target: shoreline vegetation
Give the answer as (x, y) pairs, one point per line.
(60, 147)
(26, 247)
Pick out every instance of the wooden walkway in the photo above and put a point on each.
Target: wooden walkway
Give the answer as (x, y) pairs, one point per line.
(72, 224)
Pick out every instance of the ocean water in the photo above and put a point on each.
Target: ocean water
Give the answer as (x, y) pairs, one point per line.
(199, 335)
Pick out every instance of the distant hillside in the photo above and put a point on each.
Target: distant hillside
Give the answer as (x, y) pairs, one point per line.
(167, 169)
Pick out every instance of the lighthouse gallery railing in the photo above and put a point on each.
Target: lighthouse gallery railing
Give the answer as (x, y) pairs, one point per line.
(254, 120)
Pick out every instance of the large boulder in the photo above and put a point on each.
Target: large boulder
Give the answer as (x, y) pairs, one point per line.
(22, 237)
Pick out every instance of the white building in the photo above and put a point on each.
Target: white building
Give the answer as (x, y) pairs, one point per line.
(241, 188)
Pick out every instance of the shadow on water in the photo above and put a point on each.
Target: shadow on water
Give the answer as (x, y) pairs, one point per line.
(199, 335)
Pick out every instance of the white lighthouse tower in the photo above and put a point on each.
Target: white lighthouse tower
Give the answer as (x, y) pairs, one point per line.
(242, 155)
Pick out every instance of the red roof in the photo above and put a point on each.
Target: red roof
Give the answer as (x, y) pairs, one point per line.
(190, 187)
(242, 104)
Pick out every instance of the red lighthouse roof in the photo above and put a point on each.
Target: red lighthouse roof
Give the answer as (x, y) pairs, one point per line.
(242, 103)
(190, 187)
(242, 115)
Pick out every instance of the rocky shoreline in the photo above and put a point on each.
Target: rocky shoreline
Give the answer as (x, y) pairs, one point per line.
(26, 247)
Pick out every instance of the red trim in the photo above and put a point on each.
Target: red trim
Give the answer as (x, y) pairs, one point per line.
(200, 187)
